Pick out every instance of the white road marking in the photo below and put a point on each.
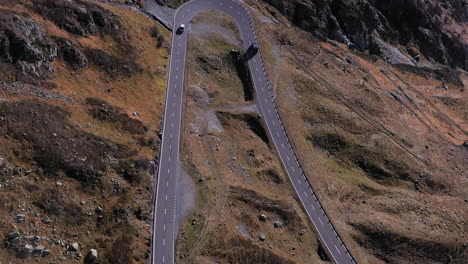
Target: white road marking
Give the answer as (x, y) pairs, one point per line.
(337, 250)
(277, 133)
(170, 146)
(163, 260)
(306, 194)
(165, 211)
(167, 184)
(320, 221)
(299, 181)
(166, 197)
(164, 242)
(282, 145)
(293, 169)
(288, 158)
(168, 170)
(164, 227)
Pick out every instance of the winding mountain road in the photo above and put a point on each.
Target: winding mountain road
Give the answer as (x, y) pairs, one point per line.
(165, 223)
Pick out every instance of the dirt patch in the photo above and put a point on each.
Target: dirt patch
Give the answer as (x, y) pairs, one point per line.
(271, 175)
(102, 111)
(262, 203)
(53, 203)
(391, 246)
(376, 161)
(443, 74)
(240, 250)
(112, 65)
(248, 120)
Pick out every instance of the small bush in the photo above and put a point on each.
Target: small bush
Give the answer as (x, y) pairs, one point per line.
(121, 251)
(154, 31)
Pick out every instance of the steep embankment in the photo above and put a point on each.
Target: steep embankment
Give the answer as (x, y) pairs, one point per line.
(81, 94)
(385, 146)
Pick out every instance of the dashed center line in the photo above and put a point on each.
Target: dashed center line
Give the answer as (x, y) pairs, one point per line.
(337, 250)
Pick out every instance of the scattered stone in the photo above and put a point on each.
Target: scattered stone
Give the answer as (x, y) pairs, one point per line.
(82, 202)
(27, 249)
(74, 247)
(444, 86)
(135, 114)
(302, 232)
(262, 217)
(98, 210)
(59, 184)
(46, 220)
(262, 237)
(91, 257)
(20, 218)
(194, 221)
(201, 180)
(278, 224)
(12, 235)
(28, 238)
(38, 251)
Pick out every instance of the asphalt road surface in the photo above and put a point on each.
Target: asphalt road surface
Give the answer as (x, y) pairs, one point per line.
(165, 223)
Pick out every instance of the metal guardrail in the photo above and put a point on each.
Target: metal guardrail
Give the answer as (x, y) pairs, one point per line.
(252, 26)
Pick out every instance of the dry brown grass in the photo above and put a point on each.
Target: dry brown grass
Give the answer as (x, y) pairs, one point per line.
(353, 119)
(126, 204)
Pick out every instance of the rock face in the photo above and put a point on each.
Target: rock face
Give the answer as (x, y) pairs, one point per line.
(431, 26)
(24, 44)
(71, 54)
(77, 17)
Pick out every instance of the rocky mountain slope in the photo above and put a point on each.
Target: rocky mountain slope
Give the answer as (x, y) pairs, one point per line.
(399, 31)
(81, 93)
(436, 30)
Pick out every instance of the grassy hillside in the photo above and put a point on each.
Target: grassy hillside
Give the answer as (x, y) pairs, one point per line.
(81, 94)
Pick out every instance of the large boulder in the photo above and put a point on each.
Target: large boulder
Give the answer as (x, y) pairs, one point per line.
(91, 257)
